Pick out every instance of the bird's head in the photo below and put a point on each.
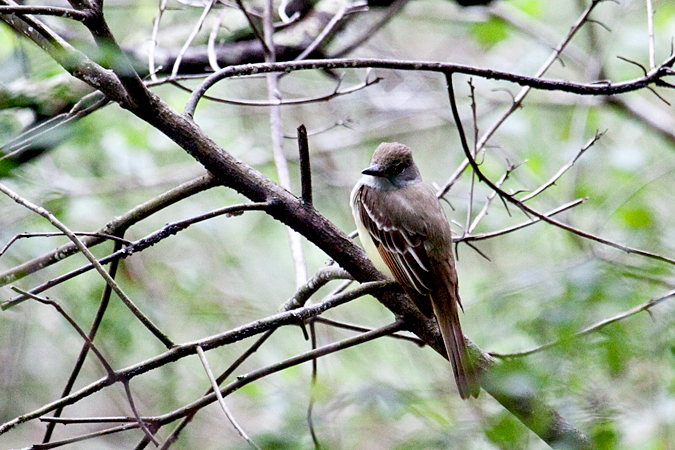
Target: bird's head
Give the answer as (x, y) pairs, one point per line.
(394, 162)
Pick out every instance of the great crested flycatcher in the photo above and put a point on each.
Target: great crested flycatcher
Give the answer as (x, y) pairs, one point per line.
(407, 236)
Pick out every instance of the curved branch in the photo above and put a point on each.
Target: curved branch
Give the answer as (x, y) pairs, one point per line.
(525, 208)
(608, 88)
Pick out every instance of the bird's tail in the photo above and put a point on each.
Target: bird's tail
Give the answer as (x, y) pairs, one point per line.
(445, 302)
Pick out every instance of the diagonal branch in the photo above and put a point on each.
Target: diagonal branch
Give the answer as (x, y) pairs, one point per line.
(92, 259)
(184, 350)
(221, 400)
(116, 226)
(646, 306)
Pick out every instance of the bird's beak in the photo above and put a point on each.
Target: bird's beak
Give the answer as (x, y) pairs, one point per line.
(374, 170)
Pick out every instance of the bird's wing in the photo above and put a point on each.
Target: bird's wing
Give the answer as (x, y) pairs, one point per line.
(402, 249)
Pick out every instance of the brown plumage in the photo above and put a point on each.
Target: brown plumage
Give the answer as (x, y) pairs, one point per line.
(407, 236)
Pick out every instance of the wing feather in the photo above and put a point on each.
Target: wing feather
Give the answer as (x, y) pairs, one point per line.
(402, 250)
(397, 223)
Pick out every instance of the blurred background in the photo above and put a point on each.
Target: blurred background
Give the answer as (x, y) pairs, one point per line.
(540, 284)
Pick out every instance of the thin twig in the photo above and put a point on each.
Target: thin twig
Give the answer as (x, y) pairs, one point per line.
(653, 91)
(469, 209)
(193, 35)
(361, 329)
(72, 323)
(488, 201)
(80, 420)
(635, 63)
(254, 28)
(92, 259)
(211, 47)
(57, 233)
(305, 167)
(312, 390)
(564, 168)
(294, 101)
(339, 123)
(153, 41)
(357, 6)
(141, 423)
(650, 31)
(590, 329)
(221, 400)
(84, 437)
(527, 223)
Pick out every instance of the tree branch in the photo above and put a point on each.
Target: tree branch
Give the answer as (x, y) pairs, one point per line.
(117, 226)
(92, 259)
(184, 350)
(605, 89)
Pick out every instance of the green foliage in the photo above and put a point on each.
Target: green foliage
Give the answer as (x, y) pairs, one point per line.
(531, 7)
(506, 432)
(7, 41)
(490, 32)
(605, 436)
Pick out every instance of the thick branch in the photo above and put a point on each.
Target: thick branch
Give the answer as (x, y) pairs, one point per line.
(288, 209)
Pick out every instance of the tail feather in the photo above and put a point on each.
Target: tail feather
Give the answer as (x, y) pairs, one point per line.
(445, 305)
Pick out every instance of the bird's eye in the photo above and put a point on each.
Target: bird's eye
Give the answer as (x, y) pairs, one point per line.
(397, 168)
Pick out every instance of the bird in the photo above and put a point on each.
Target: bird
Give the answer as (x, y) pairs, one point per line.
(405, 233)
